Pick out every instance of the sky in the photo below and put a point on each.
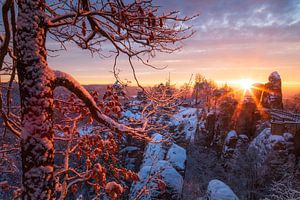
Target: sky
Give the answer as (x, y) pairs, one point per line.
(234, 39)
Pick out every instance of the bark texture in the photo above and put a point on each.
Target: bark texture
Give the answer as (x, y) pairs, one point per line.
(36, 90)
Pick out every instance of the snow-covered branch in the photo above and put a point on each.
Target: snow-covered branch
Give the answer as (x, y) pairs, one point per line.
(67, 81)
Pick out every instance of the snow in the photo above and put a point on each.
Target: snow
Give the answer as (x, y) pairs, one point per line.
(154, 151)
(276, 138)
(177, 157)
(85, 130)
(288, 136)
(217, 190)
(129, 149)
(232, 134)
(130, 115)
(188, 117)
(170, 176)
(266, 142)
(274, 76)
(66, 80)
(148, 174)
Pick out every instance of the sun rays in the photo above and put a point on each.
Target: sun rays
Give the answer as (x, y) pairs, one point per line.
(245, 84)
(246, 91)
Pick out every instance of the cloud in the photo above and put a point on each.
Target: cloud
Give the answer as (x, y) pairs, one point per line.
(240, 36)
(247, 19)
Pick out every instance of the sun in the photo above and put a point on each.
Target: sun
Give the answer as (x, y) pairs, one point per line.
(246, 84)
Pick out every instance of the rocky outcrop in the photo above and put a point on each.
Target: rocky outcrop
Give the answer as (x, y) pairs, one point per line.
(160, 181)
(159, 175)
(184, 124)
(272, 96)
(154, 151)
(275, 148)
(246, 118)
(218, 190)
(226, 110)
(230, 144)
(210, 127)
(270, 93)
(177, 156)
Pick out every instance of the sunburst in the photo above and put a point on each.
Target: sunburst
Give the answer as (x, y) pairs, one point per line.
(245, 84)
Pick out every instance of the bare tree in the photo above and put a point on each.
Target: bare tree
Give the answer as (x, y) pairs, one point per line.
(135, 29)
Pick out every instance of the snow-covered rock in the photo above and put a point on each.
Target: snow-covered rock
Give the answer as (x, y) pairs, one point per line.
(274, 76)
(242, 141)
(217, 190)
(188, 118)
(273, 98)
(148, 175)
(154, 151)
(265, 143)
(177, 156)
(130, 115)
(230, 137)
(261, 142)
(230, 143)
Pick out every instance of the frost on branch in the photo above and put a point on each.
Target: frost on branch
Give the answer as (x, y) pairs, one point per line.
(134, 29)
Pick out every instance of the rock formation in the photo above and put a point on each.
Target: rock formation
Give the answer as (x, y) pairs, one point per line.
(159, 175)
(272, 93)
(246, 118)
(217, 190)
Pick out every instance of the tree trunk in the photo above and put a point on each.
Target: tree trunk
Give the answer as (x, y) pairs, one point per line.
(36, 90)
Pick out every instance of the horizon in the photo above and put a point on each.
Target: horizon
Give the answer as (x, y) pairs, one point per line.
(234, 40)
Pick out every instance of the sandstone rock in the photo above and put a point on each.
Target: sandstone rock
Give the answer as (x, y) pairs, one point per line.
(154, 151)
(161, 180)
(217, 190)
(177, 156)
(272, 97)
(245, 118)
(230, 144)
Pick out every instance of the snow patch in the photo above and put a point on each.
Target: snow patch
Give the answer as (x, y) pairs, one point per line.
(177, 157)
(217, 190)
(148, 175)
(188, 117)
(274, 76)
(154, 151)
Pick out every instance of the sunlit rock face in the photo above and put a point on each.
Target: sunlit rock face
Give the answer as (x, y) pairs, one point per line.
(272, 97)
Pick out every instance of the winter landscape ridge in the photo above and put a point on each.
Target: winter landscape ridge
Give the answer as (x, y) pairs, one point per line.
(213, 145)
(149, 100)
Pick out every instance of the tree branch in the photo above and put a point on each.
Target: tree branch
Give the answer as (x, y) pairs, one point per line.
(67, 81)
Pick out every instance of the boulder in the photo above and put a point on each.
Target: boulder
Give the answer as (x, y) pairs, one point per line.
(177, 157)
(161, 181)
(230, 144)
(274, 148)
(154, 151)
(245, 118)
(217, 190)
